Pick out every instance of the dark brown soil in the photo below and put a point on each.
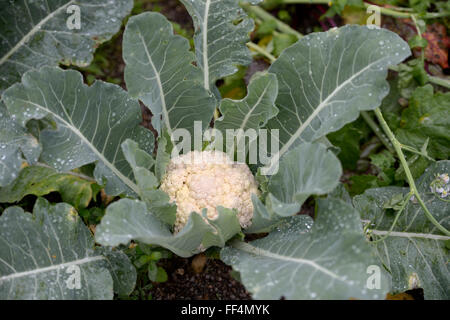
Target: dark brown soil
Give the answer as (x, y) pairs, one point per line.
(213, 283)
(173, 11)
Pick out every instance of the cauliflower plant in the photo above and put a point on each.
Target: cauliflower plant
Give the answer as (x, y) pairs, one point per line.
(209, 179)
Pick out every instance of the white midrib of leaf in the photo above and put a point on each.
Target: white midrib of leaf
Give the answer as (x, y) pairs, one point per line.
(205, 45)
(35, 29)
(247, 117)
(160, 87)
(427, 263)
(51, 268)
(410, 235)
(313, 115)
(261, 252)
(100, 155)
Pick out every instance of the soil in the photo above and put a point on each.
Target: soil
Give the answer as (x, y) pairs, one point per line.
(214, 282)
(174, 11)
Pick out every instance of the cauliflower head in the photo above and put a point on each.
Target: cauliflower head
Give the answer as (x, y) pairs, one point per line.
(209, 179)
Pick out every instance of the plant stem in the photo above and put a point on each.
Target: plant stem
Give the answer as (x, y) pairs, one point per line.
(265, 16)
(405, 201)
(391, 12)
(376, 129)
(419, 34)
(410, 235)
(262, 51)
(413, 150)
(439, 81)
(216, 114)
(412, 185)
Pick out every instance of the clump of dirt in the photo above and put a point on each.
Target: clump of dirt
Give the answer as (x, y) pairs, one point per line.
(174, 11)
(213, 283)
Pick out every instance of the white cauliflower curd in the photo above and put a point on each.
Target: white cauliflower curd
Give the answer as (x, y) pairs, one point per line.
(209, 179)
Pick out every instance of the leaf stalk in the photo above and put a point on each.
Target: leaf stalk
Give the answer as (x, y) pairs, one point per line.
(265, 16)
(261, 51)
(376, 129)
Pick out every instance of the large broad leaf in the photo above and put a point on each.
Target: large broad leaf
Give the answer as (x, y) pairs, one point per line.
(326, 261)
(14, 141)
(51, 255)
(427, 117)
(39, 181)
(130, 219)
(226, 226)
(91, 123)
(415, 253)
(308, 169)
(159, 71)
(265, 218)
(10, 162)
(254, 110)
(36, 33)
(222, 30)
(327, 78)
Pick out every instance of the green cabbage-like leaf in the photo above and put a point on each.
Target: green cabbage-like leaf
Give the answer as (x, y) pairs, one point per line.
(91, 123)
(42, 255)
(327, 78)
(157, 201)
(264, 217)
(36, 33)
(226, 227)
(163, 154)
(10, 162)
(39, 181)
(221, 31)
(254, 110)
(308, 169)
(427, 118)
(130, 219)
(159, 71)
(296, 261)
(415, 253)
(14, 141)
